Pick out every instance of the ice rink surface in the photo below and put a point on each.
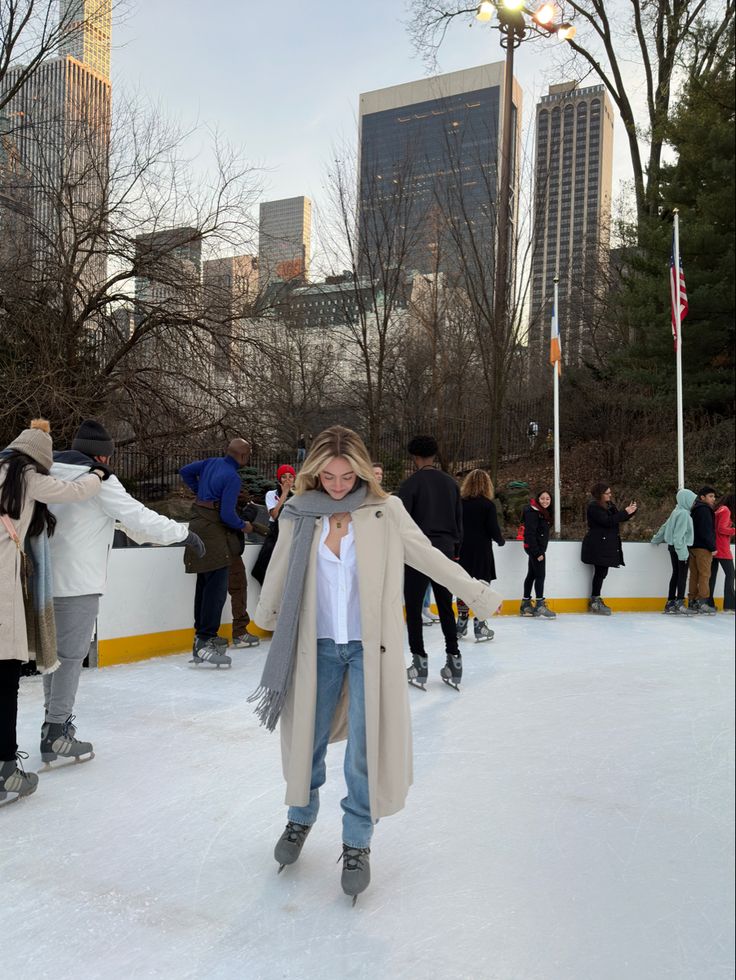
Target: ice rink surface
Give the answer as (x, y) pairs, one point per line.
(571, 819)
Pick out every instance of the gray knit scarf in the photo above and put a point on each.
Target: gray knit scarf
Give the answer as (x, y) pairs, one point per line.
(270, 695)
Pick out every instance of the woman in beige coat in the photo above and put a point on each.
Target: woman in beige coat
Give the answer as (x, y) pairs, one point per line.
(336, 669)
(25, 489)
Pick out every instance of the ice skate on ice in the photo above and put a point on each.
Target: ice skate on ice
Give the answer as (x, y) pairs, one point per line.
(356, 870)
(290, 843)
(542, 611)
(417, 673)
(15, 782)
(670, 607)
(245, 641)
(452, 672)
(461, 626)
(526, 608)
(210, 652)
(59, 744)
(681, 609)
(482, 631)
(598, 607)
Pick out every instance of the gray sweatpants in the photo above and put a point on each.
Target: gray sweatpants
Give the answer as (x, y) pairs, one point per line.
(75, 621)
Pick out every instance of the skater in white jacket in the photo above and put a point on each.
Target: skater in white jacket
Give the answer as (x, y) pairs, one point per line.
(80, 551)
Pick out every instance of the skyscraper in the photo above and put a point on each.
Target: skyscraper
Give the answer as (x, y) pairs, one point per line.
(86, 36)
(284, 240)
(572, 214)
(429, 163)
(61, 127)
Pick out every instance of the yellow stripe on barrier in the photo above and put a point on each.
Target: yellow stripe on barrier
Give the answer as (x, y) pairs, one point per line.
(129, 649)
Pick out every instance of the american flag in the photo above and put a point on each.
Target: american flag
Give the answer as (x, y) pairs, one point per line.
(677, 289)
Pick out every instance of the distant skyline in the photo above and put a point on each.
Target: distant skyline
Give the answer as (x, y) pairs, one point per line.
(283, 80)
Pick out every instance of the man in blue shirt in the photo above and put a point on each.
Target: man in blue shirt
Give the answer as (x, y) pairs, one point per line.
(216, 482)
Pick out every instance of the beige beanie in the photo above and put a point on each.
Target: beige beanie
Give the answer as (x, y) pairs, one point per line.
(36, 443)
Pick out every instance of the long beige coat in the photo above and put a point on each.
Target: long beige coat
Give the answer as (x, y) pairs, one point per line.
(46, 490)
(385, 539)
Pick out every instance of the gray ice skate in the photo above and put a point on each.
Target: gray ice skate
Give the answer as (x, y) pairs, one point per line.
(15, 782)
(290, 843)
(417, 673)
(670, 607)
(452, 672)
(59, 744)
(246, 641)
(542, 611)
(598, 607)
(210, 652)
(356, 870)
(482, 631)
(461, 626)
(526, 608)
(681, 609)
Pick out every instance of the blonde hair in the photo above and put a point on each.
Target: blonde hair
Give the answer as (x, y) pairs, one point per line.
(333, 442)
(477, 484)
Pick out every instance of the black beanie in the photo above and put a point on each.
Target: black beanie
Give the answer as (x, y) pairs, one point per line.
(93, 439)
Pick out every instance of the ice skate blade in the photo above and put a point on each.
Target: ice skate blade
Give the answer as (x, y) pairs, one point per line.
(6, 798)
(60, 762)
(451, 683)
(207, 663)
(281, 868)
(483, 639)
(415, 683)
(355, 899)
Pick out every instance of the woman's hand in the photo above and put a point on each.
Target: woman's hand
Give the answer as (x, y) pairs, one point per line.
(631, 509)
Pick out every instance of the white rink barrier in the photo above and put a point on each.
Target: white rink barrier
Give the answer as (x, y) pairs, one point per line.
(147, 609)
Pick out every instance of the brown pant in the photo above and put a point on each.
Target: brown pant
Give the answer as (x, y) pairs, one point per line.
(699, 584)
(237, 586)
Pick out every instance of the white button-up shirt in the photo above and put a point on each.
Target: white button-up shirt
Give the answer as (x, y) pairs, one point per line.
(338, 600)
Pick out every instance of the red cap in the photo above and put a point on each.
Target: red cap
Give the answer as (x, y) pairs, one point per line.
(284, 469)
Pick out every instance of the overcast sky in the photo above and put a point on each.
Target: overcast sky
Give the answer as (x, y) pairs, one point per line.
(282, 78)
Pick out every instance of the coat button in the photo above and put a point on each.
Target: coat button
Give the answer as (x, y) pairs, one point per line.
(379, 513)
(383, 649)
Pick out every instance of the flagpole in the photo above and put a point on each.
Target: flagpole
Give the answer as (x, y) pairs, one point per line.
(556, 390)
(675, 286)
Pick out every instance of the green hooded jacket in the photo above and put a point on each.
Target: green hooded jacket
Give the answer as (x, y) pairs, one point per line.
(677, 530)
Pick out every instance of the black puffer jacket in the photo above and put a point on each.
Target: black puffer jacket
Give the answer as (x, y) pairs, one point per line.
(536, 531)
(704, 526)
(602, 543)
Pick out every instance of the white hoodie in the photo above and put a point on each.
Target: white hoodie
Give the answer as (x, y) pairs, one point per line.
(80, 545)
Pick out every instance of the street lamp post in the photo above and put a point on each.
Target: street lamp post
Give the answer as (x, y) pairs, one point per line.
(515, 22)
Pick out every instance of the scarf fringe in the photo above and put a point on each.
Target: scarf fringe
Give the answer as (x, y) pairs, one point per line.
(269, 704)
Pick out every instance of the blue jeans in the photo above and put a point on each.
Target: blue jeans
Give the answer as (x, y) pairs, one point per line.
(334, 660)
(209, 599)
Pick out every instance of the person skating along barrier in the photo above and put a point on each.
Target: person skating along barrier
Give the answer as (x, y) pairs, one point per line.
(335, 667)
(275, 500)
(537, 522)
(80, 550)
(432, 499)
(26, 489)
(602, 546)
(725, 520)
(215, 520)
(480, 530)
(701, 551)
(677, 534)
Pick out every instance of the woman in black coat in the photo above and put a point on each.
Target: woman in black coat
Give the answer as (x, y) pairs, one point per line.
(480, 530)
(602, 544)
(537, 521)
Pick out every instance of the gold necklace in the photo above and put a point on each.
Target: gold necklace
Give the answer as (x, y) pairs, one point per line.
(339, 518)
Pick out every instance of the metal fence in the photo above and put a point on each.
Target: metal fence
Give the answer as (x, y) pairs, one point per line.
(463, 444)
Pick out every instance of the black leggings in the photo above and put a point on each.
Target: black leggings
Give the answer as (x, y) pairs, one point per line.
(678, 580)
(535, 574)
(598, 575)
(728, 591)
(9, 678)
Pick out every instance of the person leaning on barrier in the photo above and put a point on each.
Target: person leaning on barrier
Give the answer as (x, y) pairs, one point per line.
(26, 489)
(80, 551)
(215, 519)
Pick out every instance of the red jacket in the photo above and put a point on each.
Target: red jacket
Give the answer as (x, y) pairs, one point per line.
(724, 532)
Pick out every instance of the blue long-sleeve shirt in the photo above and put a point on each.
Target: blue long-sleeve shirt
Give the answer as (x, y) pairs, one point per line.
(216, 480)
